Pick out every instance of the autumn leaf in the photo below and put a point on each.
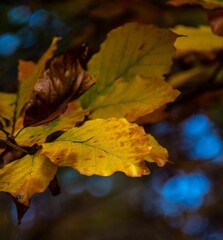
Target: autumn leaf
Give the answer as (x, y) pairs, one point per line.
(127, 52)
(26, 176)
(199, 39)
(38, 135)
(27, 86)
(7, 106)
(209, 4)
(7, 110)
(64, 81)
(158, 154)
(102, 147)
(133, 99)
(191, 76)
(25, 69)
(215, 19)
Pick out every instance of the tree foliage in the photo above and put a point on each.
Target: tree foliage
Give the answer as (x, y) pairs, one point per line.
(45, 124)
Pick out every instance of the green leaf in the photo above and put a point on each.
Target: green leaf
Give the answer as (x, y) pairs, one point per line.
(102, 147)
(37, 135)
(26, 176)
(133, 99)
(130, 50)
(27, 86)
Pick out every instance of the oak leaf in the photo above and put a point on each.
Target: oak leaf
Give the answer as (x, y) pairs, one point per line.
(102, 147)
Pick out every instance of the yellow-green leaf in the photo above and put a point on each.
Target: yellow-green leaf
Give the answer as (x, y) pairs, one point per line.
(209, 4)
(192, 76)
(133, 99)
(158, 154)
(199, 39)
(37, 135)
(102, 147)
(26, 176)
(26, 87)
(130, 50)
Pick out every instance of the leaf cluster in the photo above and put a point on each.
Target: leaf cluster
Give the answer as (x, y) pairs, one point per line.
(63, 115)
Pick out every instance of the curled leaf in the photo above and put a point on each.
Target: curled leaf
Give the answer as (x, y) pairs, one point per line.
(63, 81)
(27, 85)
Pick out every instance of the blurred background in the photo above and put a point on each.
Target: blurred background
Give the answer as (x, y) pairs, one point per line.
(177, 202)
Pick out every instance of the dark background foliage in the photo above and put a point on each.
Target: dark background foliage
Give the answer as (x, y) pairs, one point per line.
(180, 201)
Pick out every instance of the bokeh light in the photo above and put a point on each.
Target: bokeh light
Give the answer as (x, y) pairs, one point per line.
(200, 139)
(27, 36)
(19, 14)
(9, 43)
(99, 186)
(39, 19)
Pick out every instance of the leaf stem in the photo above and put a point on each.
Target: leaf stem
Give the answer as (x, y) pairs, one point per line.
(13, 145)
(4, 131)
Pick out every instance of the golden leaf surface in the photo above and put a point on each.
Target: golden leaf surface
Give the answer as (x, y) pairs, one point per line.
(7, 106)
(199, 39)
(130, 50)
(102, 147)
(37, 135)
(209, 4)
(158, 154)
(26, 87)
(26, 176)
(133, 99)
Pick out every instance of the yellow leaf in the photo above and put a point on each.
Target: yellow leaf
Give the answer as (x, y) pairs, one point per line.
(130, 50)
(7, 106)
(209, 4)
(158, 154)
(37, 135)
(26, 87)
(26, 176)
(102, 147)
(199, 39)
(133, 99)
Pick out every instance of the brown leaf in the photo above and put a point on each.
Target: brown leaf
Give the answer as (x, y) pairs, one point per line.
(63, 81)
(25, 68)
(216, 21)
